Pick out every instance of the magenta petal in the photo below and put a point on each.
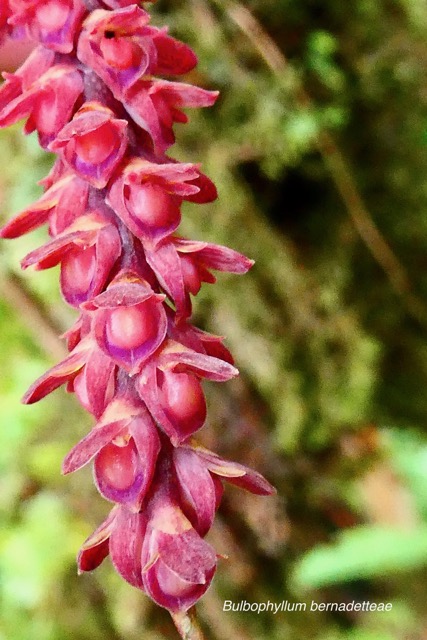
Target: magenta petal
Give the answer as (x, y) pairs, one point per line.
(197, 489)
(147, 388)
(51, 253)
(164, 261)
(38, 213)
(215, 256)
(108, 250)
(125, 545)
(26, 221)
(58, 375)
(187, 555)
(207, 190)
(123, 473)
(235, 473)
(87, 448)
(180, 94)
(98, 380)
(202, 365)
(96, 547)
(173, 57)
(147, 441)
(85, 269)
(127, 289)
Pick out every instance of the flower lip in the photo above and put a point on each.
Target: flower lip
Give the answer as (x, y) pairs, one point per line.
(93, 143)
(130, 320)
(118, 473)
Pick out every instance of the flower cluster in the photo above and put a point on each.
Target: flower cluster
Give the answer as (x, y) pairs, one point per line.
(112, 202)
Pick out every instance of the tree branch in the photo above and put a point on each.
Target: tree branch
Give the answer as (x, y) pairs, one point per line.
(33, 314)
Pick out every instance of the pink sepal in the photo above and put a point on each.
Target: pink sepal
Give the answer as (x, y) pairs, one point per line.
(197, 489)
(125, 545)
(64, 199)
(48, 103)
(233, 472)
(59, 374)
(96, 547)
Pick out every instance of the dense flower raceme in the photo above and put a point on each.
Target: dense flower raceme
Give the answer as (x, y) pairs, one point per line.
(112, 203)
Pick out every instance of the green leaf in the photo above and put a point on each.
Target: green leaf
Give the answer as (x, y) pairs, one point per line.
(362, 552)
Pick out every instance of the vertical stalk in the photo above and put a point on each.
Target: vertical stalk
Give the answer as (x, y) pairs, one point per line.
(187, 624)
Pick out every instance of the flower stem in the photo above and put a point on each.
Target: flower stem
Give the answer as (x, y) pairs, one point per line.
(187, 624)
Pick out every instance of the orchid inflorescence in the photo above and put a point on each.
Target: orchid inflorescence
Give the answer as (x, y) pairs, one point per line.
(113, 204)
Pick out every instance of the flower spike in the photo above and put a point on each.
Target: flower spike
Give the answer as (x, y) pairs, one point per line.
(93, 90)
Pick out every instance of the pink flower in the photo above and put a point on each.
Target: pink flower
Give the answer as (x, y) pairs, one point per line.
(155, 105)
(182, 265)
(170, 386)
(199, 472)
(160, 551)
(129, 320)
(121, 48)
(54, 23)
(147, 196)
(156, 550)
(87, 251)
(124, 445)
(47, 103)
(93, 143)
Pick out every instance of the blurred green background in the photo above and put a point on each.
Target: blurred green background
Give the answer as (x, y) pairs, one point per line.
(318, 148)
